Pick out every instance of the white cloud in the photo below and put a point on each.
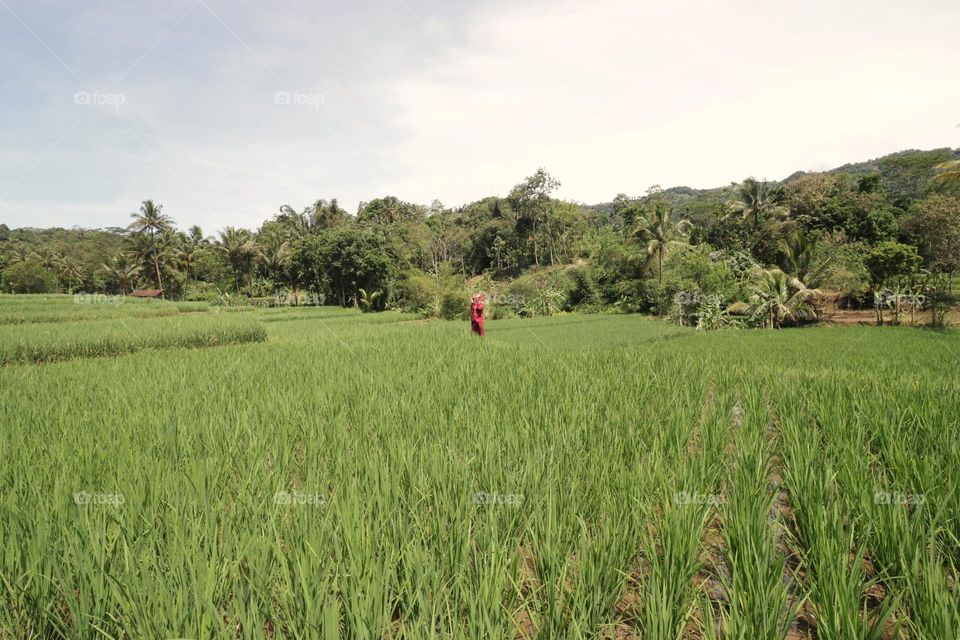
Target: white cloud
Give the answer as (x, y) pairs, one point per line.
(609, 95)
(616, 95)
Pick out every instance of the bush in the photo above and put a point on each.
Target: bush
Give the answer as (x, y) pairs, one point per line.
(520, 293)
(540, 293)
(415, 292)
(631, 296)
(500, 312)
(455, 305)
(941, 303)
(28, 277)
(693, 278)
(583, 291)
(203, 292)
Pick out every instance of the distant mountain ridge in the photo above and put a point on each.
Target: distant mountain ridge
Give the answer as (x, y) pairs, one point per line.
(904, 174)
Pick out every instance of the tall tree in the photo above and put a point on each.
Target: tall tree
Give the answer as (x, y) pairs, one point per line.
(187, 252)
(153, 223)
(70, 272)
(778, 297)
(756, 201)
(934, 225)
(800, 257)
(196, 238)
(276, 256)
(241, 251)
(531, 200)
(123, 270)
(388, 210)
(888, 263)
(339, 262)
(657, 229)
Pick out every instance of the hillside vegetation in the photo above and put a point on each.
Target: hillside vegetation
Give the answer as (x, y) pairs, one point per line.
(881, 235)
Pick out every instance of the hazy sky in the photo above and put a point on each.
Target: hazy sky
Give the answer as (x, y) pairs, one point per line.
(223, 110)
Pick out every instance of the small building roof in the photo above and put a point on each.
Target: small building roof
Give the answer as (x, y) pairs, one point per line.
(147, 293)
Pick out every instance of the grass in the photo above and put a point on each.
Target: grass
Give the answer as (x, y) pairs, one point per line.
(366, 475)
(26, 309)
(35, 344)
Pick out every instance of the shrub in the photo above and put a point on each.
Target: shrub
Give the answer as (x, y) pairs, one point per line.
(693, 278)
(583, 292)
(455, 305)
(28, 277)
(416, 292)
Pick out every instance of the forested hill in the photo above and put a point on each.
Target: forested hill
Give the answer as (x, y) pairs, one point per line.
(904, 175)
(855, 231)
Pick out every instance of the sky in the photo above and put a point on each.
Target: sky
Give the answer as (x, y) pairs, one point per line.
(224, 110)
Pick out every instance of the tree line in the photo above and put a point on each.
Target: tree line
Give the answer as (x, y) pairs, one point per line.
(884, 236)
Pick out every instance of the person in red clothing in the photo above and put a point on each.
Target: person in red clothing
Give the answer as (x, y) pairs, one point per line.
(476, 314)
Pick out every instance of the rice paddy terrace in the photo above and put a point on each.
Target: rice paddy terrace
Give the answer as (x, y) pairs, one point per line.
(177, 471)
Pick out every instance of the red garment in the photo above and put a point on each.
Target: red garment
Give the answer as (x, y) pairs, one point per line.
(476, 318)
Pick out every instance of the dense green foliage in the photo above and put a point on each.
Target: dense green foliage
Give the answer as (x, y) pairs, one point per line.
(699, 256)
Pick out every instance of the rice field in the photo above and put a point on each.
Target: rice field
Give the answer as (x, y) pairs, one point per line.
(377, 476)
(82, 307)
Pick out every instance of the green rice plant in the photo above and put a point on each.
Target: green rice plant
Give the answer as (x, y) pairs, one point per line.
(689, 476)
(49, 343)
(833, 549)
(759, 602)
(362, 475)
(673, 554)
(909, 508)
(88, 308)
(898, 491)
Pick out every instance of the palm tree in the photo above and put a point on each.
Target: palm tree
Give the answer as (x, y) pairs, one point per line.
(778, 297)
(157, 253)
(755, 201)
(368, 301)
(186, 256)
(660, 233)
(240, 249)
(71, 272)
(798, 257)
(152, 222)
(277, 258)
(189, 247)
(123, 270)
(48, 258)
(150, 219)
(20, 252)
(196, 238)
(947, 172)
